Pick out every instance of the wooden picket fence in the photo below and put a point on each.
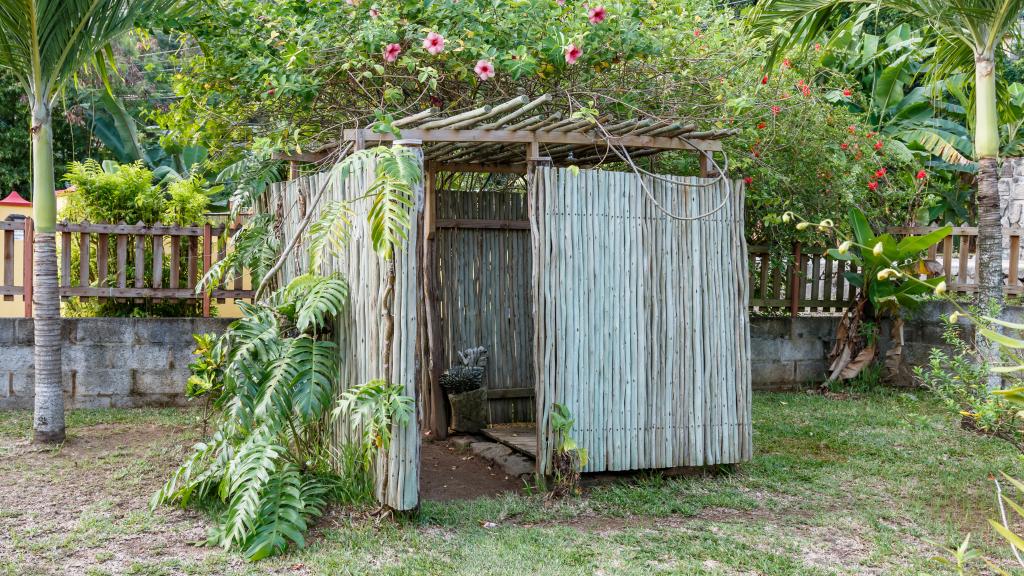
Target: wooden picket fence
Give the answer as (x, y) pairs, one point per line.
(124, 261)
(808, 280)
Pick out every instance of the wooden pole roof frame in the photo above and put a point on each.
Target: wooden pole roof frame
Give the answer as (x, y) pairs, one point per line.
(475, 138)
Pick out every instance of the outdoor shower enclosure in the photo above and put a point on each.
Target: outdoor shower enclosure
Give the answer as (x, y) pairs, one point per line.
(621, 295)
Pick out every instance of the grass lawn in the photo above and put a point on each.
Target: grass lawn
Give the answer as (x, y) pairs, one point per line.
(857, 485)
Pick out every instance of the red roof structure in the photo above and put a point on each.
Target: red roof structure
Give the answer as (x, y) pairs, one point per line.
(14, 199)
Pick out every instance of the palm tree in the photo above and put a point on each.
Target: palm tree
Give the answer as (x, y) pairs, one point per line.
(969, 34)
(45, 43)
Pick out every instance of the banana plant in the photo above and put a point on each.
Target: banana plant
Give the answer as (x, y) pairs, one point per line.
(897, 102)
(119, 132)
(883, 265)
(884, 271)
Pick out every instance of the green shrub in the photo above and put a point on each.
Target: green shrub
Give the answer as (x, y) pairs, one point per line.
(268, 466)
(959, 377)
(113, 193)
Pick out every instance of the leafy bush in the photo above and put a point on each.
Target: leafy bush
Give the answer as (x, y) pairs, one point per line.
(959, 377)
(186, 202)
(266, 464)
(112, 192)
(568, 459)
(370, 410)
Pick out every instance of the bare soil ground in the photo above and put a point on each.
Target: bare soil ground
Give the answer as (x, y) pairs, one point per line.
(447, 474)
(81, 508)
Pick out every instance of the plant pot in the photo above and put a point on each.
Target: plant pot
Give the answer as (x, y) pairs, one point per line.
(469, 411)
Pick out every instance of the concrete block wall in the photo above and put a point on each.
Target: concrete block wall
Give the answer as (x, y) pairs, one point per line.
(790, 354)
(107, 362)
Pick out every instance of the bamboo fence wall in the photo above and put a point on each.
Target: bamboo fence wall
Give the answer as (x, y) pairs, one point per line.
(485, 293)
(642, 326)
(359, 330)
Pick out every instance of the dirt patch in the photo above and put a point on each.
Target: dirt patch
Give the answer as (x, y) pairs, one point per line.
(82, 507)
(447, 473)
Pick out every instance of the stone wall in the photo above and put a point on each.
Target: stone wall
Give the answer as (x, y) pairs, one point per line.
(1011, 193)
(792, 354)
(135, 362)
(108, 362)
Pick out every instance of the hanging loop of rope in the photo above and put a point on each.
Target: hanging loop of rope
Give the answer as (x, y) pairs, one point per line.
(623, 155)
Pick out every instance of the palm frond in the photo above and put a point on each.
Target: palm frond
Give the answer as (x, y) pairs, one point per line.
(46, 42)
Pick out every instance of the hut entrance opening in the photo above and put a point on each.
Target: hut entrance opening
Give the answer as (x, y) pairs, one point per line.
(482, 244)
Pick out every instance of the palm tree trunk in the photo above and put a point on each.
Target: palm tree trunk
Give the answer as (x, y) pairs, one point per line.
(48, 421)
(990, 230)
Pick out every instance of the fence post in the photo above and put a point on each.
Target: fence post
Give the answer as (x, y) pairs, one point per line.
(794, 284)
(27, 246)
(207, 262)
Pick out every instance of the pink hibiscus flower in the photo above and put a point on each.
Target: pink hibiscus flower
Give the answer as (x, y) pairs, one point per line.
(391, 52)
(597, 15)
(433, 43)
(484, 69)
(572, 53)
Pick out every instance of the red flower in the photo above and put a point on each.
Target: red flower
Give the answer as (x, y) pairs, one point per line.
(391, 52)
(870, 134)
(761, 125)
(817, 47)
(776, 110)
(921, 175)
(764, 79)
(847, 92)
(805, 91)
(696, 32)
(852, 129)
(597, 15)
(872, 185)
(844, 146)
(878, 145)
(747, 180)
(785, 63)
(880, 172)
(270, 92)
(374, 13)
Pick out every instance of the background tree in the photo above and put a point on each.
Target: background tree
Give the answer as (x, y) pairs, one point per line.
(969, 35)
(44, 43)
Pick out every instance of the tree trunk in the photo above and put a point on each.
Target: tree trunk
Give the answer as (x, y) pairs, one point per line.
(48, 421)
(990, 230)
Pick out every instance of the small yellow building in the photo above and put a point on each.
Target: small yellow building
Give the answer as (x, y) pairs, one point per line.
(15, 208)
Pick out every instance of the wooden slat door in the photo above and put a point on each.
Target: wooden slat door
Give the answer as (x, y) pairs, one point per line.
(641, 319)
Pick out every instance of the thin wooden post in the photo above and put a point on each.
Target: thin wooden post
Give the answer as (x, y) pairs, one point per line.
(207, 262)
(27, 271)
(8, 262)
(542, 407)
(438, 416)
(794, 291)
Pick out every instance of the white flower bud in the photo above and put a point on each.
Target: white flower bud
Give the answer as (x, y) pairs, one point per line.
(878, 249)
